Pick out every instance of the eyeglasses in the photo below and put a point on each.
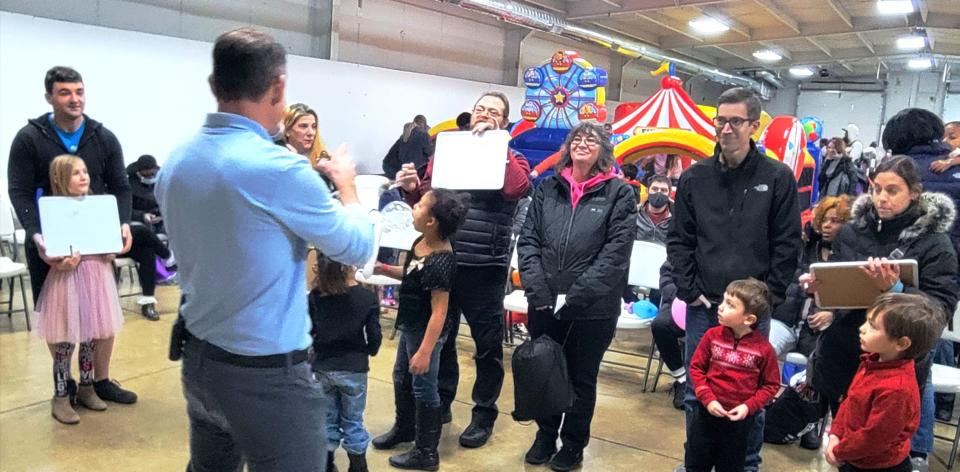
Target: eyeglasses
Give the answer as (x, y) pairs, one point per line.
(591, 141)
(491, 112)
(734, 122)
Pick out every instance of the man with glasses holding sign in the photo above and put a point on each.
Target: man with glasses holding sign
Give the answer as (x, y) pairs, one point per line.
(736, 216)
(482, 245)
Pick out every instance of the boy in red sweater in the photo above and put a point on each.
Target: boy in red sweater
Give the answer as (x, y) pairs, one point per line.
(735, 374)
(881, 412)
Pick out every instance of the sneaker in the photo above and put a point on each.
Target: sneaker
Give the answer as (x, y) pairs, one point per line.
(944, 414)
(149, 312)
(678, 390)
(567, 459)
(810, 440)
(541, 451)
(475, 435)
(919, 464)
(110, 391)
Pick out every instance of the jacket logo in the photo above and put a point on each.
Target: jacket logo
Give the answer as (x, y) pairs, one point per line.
(761, 188)
(596, 210)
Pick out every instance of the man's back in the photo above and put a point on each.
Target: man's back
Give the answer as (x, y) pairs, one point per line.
(240, 212)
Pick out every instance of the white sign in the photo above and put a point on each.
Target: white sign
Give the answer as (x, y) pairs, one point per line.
(466, 161)
(88, 225)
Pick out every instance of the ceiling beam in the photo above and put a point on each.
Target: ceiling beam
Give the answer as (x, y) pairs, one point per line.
(720, 16)
(781, 35)
(921, 7)
(669, 23)
(735, 54)
(653, 41)
(841, 12)
(820, 46)
(779, 14)
(779, 50)
(866, 43)
(846, 66)
(586, 9)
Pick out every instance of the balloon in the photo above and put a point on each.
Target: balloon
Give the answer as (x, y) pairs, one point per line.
(679, 312)
(644, 309)
(813, 137)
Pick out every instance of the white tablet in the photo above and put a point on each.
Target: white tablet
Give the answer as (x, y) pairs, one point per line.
(845, 286)
(465, 161)
(90, 225)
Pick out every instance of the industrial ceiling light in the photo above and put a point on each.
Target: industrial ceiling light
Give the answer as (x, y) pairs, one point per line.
(767, 55)
(894, 7)
(911, 42)
(921, 63)
(707, 25)
(801, 72)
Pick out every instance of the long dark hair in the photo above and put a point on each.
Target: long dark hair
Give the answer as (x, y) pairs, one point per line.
(605, 160)
(332, 277)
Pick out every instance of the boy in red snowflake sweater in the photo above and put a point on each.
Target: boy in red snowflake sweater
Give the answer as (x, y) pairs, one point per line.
(881, 411)
(735, 374)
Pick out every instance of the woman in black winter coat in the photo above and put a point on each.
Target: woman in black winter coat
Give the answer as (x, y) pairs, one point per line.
(897, 220)
(574, 255)
(838, 173)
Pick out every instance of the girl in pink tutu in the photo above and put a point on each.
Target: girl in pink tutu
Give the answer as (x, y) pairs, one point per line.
(78, 304)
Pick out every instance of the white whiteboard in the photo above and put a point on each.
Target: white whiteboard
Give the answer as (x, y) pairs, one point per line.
(152, 90)
(485, 158)
(839, 109)
(88, 225)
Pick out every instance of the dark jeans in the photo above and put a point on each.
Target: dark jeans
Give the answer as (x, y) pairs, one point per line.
(699, 320)
(423, 388)
(584, 349)
(478, 295)
(715, 442)
(666, 335)
(145, 249)
(270, 418)
(901, 467)
(38, 269)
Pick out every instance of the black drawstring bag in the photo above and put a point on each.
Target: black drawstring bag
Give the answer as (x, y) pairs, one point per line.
(542, 386)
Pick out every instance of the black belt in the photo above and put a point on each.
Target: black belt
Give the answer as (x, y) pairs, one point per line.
(213, 352)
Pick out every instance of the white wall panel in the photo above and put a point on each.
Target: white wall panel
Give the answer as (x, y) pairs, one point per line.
(838, 109)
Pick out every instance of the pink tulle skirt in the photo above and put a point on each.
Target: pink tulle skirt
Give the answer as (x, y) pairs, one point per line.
(79, 305)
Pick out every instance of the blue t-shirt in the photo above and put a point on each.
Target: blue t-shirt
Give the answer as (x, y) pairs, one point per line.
(71, 141)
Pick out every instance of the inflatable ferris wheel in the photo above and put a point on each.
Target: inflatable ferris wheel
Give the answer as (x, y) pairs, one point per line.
(564, 91)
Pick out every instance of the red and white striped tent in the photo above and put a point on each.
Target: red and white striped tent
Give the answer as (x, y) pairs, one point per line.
(671, 107)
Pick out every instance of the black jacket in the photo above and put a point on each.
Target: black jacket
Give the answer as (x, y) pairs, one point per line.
(790, 312)
(583, 253)
(417, 149)
(346, 330)
(143, 200)
(845, 177)
(35, 147)
(730, 224)
(921, 233)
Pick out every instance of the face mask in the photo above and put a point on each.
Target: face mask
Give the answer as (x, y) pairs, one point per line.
(658, 200)
(148, 181)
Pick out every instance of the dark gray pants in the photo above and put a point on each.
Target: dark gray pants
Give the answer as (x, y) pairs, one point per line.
(269, 418)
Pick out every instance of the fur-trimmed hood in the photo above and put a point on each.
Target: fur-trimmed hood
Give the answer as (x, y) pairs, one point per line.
(937, 214)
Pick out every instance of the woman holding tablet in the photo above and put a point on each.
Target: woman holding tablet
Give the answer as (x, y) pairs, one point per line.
(895, 220)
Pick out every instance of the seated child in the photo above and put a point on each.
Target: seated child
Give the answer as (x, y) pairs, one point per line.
(881, 412)
(735, 374)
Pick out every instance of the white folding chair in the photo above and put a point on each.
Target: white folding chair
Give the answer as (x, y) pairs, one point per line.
(946, 379)
(121, 263)
(14, 271)
(10, 235)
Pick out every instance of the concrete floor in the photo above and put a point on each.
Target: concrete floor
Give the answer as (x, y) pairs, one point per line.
(632, 431)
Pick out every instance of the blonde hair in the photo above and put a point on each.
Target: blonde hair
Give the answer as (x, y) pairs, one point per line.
(291, 116)
(61, 169)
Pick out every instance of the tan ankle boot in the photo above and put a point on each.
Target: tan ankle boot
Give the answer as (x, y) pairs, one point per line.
(87, 397)
(63, 412)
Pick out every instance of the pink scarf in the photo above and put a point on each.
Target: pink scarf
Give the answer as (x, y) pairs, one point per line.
(577, 189)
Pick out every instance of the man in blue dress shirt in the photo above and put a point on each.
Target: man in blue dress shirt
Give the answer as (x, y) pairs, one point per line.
(240, 212)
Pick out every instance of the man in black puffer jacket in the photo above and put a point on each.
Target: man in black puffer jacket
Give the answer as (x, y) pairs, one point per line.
(482, 245)
(736, 216)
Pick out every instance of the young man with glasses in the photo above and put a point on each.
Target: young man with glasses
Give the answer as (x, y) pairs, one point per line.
(735, 216)
(482, 246)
